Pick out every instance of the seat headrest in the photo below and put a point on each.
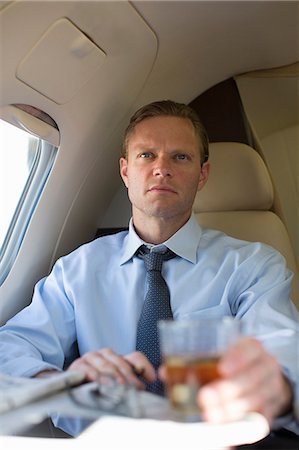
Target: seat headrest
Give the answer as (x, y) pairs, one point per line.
(238, 180)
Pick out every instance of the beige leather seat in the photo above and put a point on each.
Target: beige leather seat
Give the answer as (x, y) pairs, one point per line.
(238, 198)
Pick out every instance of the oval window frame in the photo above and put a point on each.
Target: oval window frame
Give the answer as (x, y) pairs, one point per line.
(40, 125)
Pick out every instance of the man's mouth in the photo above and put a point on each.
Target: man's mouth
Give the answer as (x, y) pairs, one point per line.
(162, 189)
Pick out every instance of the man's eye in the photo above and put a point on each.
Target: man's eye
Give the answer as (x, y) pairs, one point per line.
(146, 155)
(182, 156)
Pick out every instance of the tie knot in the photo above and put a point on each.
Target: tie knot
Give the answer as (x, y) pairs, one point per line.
(154, 260)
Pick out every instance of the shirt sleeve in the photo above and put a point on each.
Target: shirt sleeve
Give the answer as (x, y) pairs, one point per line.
(266, 311)
(41, 336)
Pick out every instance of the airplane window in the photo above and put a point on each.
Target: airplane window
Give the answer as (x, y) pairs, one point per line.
(17, 153)
(25, 163)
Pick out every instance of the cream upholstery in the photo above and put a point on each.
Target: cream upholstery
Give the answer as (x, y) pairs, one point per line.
(237, 200)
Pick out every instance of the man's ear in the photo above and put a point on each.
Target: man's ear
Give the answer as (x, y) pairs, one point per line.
(204, 175)
(123, 169)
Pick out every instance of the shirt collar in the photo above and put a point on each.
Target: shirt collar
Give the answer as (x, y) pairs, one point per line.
(183, 243)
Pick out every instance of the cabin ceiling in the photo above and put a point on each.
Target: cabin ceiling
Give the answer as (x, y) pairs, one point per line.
(199, 43)
(203, 43)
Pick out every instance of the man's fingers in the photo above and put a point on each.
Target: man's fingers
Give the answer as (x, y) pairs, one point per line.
(243, 354)
(252, 380)
(141, 366)
(123, 369)
(95, 364)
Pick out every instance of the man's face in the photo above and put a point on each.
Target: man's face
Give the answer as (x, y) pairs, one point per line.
(162, 171)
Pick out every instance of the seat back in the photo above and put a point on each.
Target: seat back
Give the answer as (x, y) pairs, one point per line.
(238, 198)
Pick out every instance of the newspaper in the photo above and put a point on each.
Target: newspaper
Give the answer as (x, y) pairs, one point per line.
(134, 414)
(16, 392)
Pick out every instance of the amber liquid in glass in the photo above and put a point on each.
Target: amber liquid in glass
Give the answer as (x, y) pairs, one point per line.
(185, 375)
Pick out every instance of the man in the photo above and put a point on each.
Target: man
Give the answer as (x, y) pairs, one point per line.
(94, 296)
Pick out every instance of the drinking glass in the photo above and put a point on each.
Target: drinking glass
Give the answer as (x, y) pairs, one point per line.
(191, 350)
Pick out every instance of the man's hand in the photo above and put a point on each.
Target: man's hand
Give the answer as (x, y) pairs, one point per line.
(252, 380)
(123, 369)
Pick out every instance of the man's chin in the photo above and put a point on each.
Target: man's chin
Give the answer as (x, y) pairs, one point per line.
(167, 213)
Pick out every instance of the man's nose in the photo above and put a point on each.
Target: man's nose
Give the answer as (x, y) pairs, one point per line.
(162, 168)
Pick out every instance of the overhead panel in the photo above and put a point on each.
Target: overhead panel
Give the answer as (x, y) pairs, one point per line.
(63, 52)
(75, 51)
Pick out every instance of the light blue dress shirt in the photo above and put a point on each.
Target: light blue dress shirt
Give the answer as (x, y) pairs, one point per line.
(94, 297)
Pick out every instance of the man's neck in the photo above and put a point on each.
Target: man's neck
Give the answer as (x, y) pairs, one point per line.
(155, 230)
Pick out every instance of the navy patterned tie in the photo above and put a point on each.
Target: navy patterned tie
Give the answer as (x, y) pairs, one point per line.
(156, 307)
